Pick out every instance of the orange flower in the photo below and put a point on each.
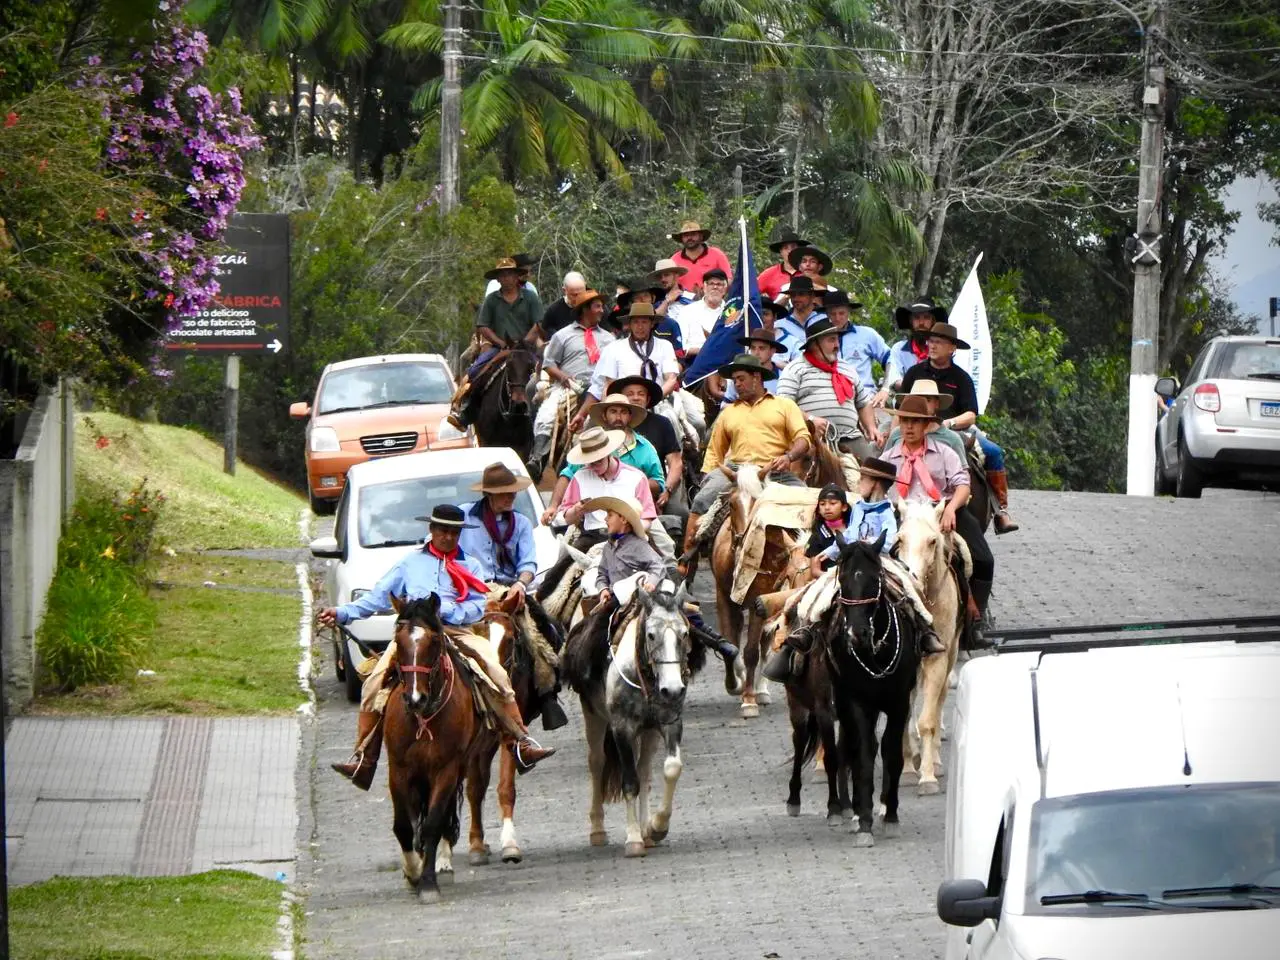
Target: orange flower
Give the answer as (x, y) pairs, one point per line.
(100, 213)
(102, 442)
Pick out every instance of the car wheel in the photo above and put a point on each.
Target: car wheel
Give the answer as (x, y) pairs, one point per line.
(321, 506)
(351, 676)
(1190, 481)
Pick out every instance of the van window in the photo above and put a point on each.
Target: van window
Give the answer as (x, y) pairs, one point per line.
(388, 512)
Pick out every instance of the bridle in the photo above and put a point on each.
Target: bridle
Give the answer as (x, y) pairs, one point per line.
(891, 626)
(443, 665)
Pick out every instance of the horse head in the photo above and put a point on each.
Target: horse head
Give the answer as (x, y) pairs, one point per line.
(419, 640)
(521, 361)
(746, 485)
(861, 586)
(663, 643)
(922, 546)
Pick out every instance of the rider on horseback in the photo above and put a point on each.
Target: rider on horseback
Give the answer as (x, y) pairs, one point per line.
(569, 361)
(442, 569)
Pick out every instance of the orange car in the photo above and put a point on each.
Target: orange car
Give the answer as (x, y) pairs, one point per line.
(374, 407)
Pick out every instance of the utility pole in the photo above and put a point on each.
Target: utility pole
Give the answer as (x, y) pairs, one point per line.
(1144, 349)
(231, 415)
(451, 107)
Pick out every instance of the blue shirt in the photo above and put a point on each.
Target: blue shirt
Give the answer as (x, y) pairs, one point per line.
(860, 346)
(791, 333)
(477, 544)
(668, 330)
(417, 576)
(868, 520)
(641, 454)
(901, 359)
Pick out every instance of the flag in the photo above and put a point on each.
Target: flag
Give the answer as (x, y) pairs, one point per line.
(741, 315)
(969, 317)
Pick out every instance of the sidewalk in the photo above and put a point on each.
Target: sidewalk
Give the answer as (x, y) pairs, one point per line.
(150, 796)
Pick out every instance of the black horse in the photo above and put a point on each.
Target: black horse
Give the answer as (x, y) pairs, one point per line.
(503, 415)
(874, 658)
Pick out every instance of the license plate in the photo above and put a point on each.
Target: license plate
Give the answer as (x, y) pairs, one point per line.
(1270, 408)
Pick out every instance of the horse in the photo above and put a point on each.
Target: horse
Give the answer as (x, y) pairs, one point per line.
(431, 733)
(927, 553)
(873, 655)
(503, 417)
(632, 697)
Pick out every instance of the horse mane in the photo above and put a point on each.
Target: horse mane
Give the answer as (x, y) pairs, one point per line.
(749, 481)
(831, 465)
(421, 608)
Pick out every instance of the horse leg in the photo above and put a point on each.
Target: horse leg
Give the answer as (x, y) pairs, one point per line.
(840, 765)
(933, 687)
(595, 730)
(626, 741)
(647, 742)
(803, 727)
(443, 797)
(407, 809)
(729, 614)
(911, 737)
(511, 852)
(672, 767)
(477, 786)
(755, 641)
(891, 760)
(837, 784)
(864, 748)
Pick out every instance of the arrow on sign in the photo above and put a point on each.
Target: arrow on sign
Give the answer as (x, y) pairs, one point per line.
(275, 346)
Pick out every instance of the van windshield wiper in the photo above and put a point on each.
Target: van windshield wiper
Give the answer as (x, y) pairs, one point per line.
(1269, 375)
(1251, 889)
(393, 543)
(1139, 900)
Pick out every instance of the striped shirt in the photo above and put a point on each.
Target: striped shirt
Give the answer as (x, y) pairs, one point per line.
(812, 391)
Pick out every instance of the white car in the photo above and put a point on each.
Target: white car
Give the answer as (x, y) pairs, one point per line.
(1116, 803)
(376, 524)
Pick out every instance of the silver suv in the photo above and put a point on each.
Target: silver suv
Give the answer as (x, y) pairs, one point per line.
(1223, 425)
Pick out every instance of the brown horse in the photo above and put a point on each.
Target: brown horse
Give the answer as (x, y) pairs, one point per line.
(431, 733)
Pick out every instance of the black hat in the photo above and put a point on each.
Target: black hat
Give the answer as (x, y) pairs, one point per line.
(716, 273)
(795, 255)
(838, 298)
(445, 515)
(832, 492)
(819, 325)
(745, 361)
(624, 299)
(761, 337)
(801, 285)
(655, 391)
(787, 236)
(525, 259)
(902, 315)
(778, 309)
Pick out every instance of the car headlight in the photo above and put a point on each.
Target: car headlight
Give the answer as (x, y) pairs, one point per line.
(324, 440)
(359, 592)
(447, 431)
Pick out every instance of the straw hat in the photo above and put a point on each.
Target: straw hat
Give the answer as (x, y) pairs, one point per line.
(665, 265)
(506, 263)
(914, 408)
(498, 478)
(690, 226)
(927, 388)
(629, 507)
(596, 414)
(595, 443)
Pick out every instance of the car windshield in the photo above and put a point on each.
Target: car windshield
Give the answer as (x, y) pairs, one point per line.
(1244, 361)
(388, 512)
(384, 384)
(1183, 846)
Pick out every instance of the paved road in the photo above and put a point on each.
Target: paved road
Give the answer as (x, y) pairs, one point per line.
(737, 878)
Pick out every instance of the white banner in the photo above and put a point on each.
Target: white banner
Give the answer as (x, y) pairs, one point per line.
(969, 317)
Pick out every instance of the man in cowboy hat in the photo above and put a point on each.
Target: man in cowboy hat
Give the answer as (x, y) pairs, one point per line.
(805, 299)
(917, 318)
(772, 279)
(943, 342)
(617, 412)
(606, 476)
(826, 388)
(809, 261)
(938, 404)
(560, 314)
(860, 345)
(696, 256)
(698, 318)
(661, 433)
(756, 428)
(639, 353)
(569, 361)
(672, 298)
(524, 263)
(762, 345)
(929, 470)
(440, 567)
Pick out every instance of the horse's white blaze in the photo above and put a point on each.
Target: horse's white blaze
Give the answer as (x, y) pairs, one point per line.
(416, 635)
(669, 678)
(444, 856)
(411, 863)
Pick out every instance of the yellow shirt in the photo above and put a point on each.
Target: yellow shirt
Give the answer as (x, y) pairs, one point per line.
(756, 433)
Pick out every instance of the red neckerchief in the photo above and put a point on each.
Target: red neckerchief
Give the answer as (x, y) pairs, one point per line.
(589, 341)
(463, 579)
(913, 465)
(835, 524)
(919, 350)
(841, 384)
(500, 540)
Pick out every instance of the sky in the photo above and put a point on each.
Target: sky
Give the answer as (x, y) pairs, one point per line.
(1250, 261)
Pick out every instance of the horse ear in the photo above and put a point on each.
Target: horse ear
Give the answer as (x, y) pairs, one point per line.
(510, 602)
(397, 604)
(880, 540)
(939, 508)
(433, 607)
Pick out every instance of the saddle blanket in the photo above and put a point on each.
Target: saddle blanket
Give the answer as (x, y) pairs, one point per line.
(789, 508)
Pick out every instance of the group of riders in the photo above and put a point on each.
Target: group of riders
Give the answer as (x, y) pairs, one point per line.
(806, 375)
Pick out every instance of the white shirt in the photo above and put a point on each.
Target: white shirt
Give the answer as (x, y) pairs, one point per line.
(495, 285)
(618, 360)
(696, 320)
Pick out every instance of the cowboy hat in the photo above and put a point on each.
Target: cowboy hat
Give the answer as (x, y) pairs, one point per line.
(747, 362)
(927, 388)
(819, 325)
(655, 391)
(802, 285)
(585, 297)
(506, 263)
(873, 467)
(625, 298)
(778, 309)
(795, 256)
(838, 298)
(616, 399)
(914, 408)
(945, 331)
(761, 337)
(446, 515)
(788, 236)
(595, 443)
(524, 260)
(642, 310)
(628, 507)
(902, 315)
(690, 226)
(498, 478)
(665, 265)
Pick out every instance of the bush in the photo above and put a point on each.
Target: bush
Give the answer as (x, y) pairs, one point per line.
(99, 616)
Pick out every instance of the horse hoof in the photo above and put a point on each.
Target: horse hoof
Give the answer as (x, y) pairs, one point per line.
(428, 894)
(656, 835)
(512, 854)
(928, 788)
(478, 858)
(764, 698)
(749, 711)
(793, 809)
(908, 777)
(847, 813)
(634, 848)
(444, 876)
(891, 830)
(863, 838)
(599, 838)
(835, 820)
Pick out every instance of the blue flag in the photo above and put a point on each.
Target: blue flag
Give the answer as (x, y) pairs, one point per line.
(741, 315)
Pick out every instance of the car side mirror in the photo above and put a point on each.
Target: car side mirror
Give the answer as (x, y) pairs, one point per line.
(1167, 387)
(964, 903)
(326, 548)
(300, 410)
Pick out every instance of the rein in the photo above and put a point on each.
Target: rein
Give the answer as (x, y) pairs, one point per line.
(891, 625)
(444, 665)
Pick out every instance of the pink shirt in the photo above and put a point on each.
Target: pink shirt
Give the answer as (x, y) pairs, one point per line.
(623, 481)
(943, 464)
(771, 281)
(711, 258)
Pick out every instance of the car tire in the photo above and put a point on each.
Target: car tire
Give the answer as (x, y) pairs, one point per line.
(320, 506)
(351, 677)
(1190, 480)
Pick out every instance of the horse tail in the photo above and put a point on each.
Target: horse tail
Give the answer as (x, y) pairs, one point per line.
(611, 775)
(812, 738)
(453, 822)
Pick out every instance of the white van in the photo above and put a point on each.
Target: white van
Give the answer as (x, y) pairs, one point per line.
(1116, 802)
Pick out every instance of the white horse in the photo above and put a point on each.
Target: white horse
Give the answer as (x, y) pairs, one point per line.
(926, 551)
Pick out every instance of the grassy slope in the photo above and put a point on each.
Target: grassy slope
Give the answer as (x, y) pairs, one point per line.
(225, 914)
(206, 509)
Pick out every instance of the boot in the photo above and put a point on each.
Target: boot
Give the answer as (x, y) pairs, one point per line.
(553, 716)
(528, 752)
(687, 552)
(364, 762)
(929, 642)
(979, 595)
(709, 636)
(999, 482)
